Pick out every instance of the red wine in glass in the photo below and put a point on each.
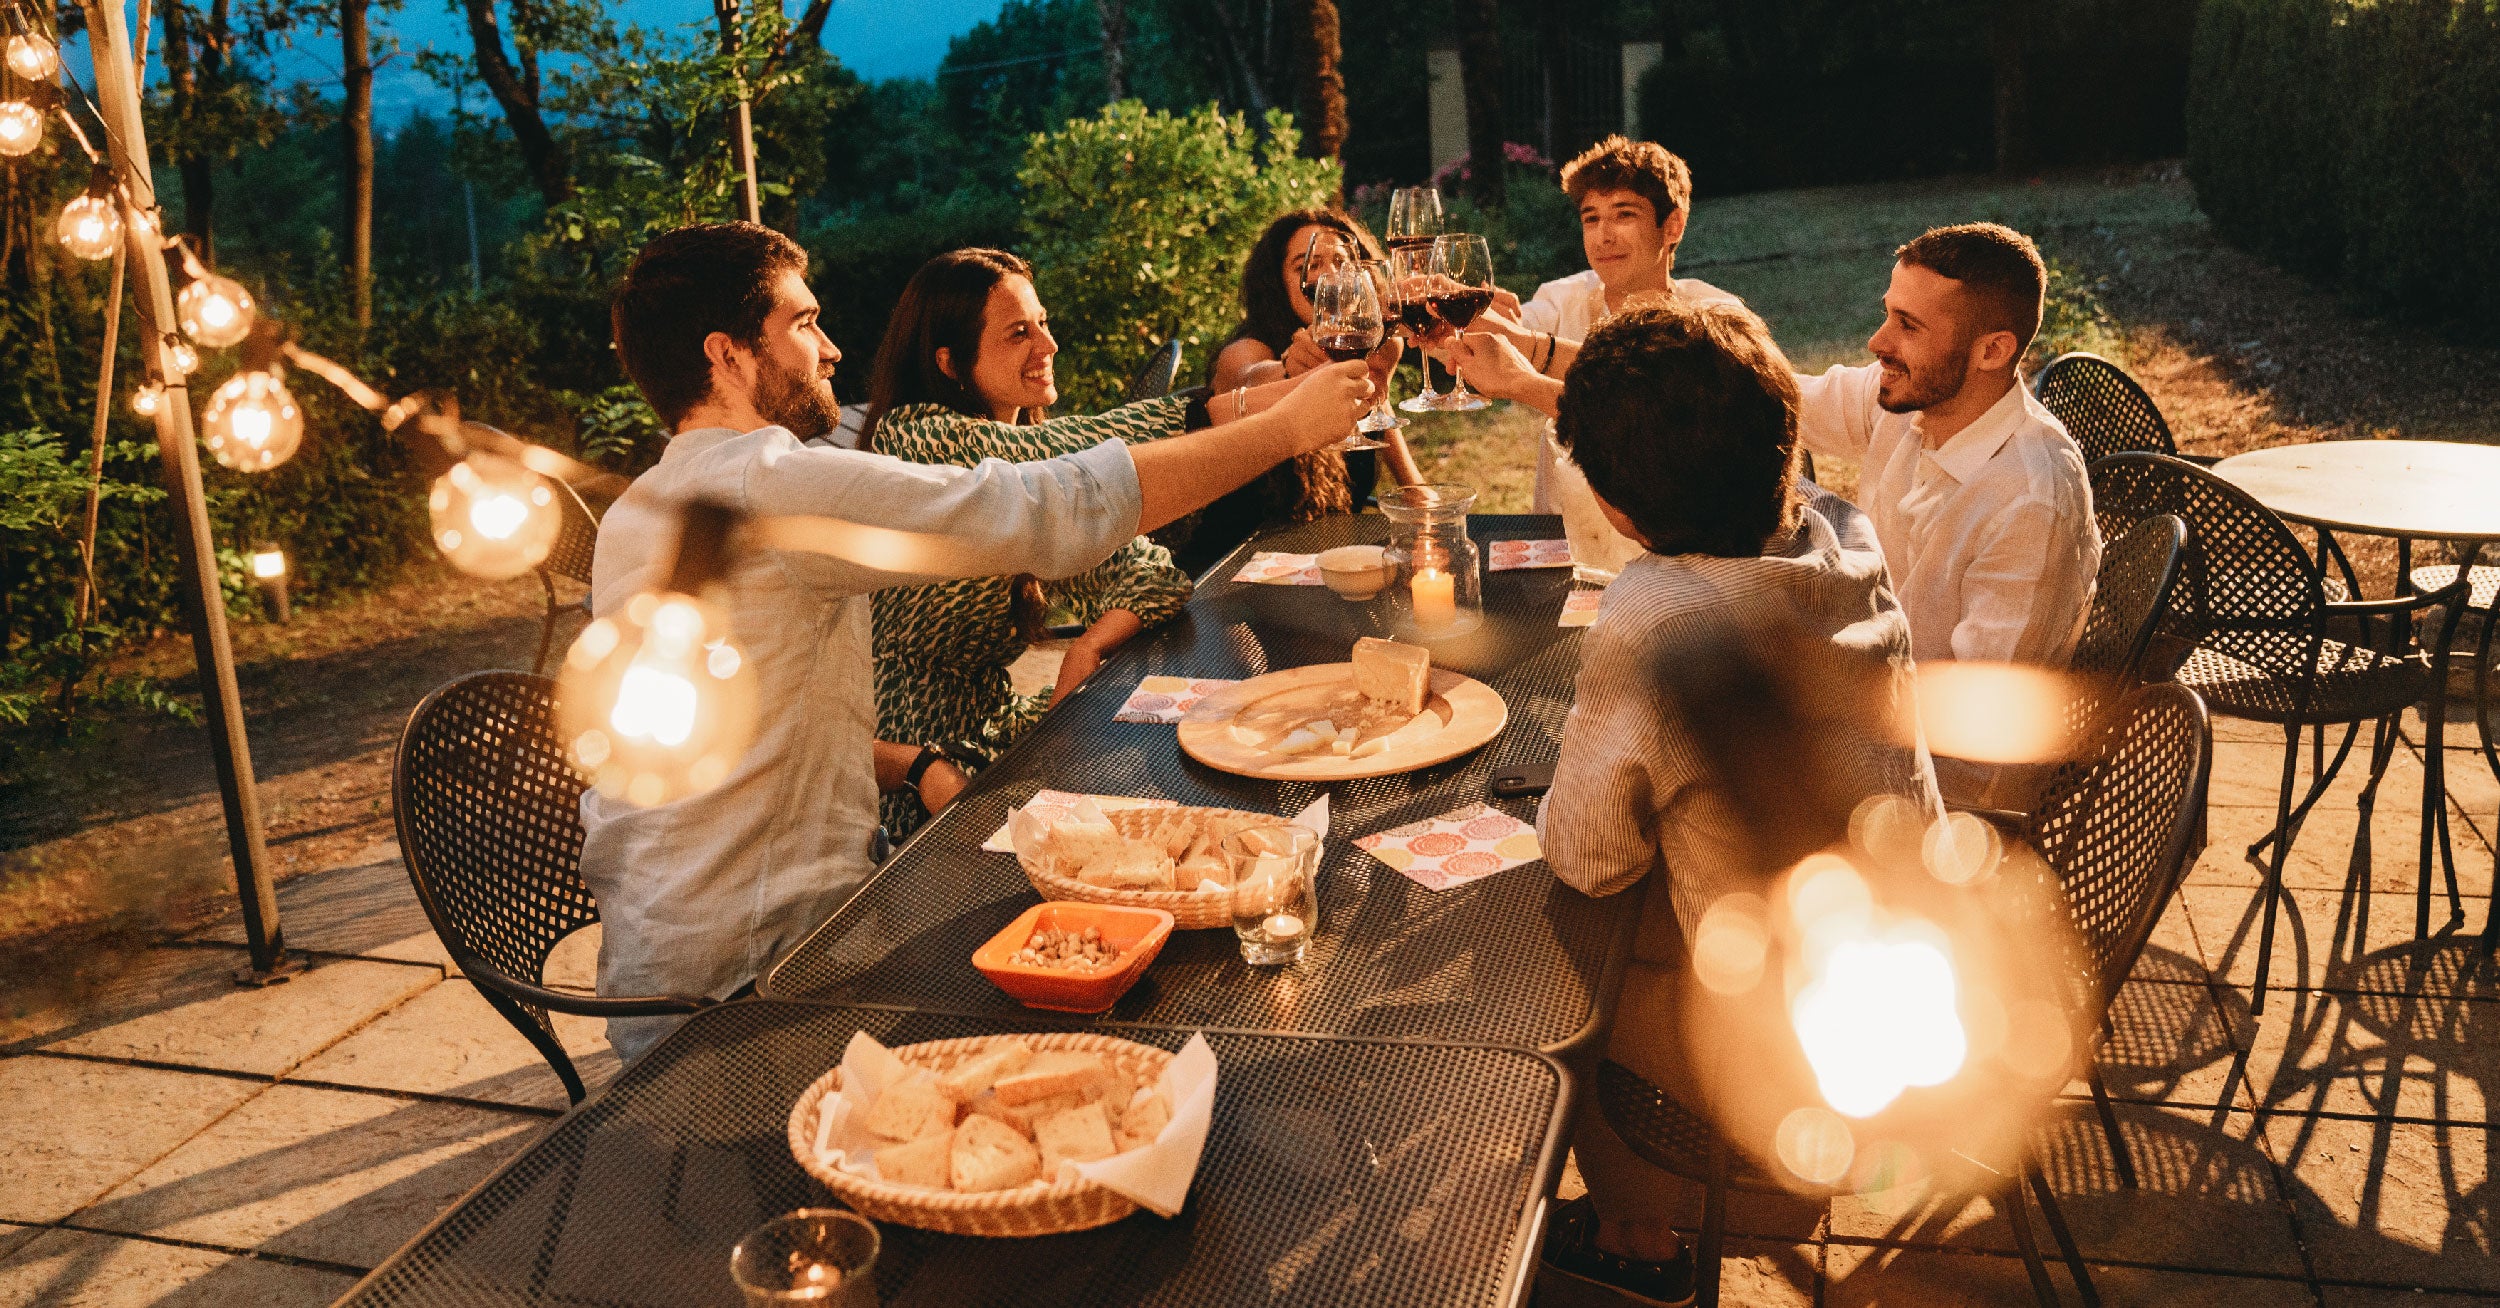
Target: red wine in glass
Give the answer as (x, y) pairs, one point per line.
(1422, 242)
(1460, 307)
(1415, 314)
(1344, 346)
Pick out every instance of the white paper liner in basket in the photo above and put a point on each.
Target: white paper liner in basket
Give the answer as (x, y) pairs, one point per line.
(1155, 1175)
(1208, 904)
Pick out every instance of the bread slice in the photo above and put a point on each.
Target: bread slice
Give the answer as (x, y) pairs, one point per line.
(1022, 1116)
(920, 1162)
(973, 1075)
(990, 1155)
(910, 1108)
(1144, 1121)
(1058, 1072)
(1080, 1134)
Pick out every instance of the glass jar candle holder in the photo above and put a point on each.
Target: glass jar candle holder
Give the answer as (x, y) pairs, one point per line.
(1436, 574)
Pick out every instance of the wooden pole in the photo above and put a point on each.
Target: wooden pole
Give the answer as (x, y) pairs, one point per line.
(741, 118)
(117, 94)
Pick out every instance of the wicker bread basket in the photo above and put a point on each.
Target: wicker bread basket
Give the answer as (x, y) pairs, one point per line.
(1190, 909)
(1037, 1208)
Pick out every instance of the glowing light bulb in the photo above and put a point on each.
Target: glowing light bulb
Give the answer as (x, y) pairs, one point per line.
(147, 399)
(215, 311)
(1880, 1016)
(268, 562)
(33, 57)
(654, 702)
(178, 352)
(492, 517)
(252, 423)
(21, 127)
(90, 227)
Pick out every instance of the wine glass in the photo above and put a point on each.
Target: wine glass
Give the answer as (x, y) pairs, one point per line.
(1346, 324)
(1385, 291)
(1414, 222)
(1462, 287)
(1404, 301)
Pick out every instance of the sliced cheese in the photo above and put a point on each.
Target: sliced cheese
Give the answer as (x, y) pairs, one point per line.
(1393, 674)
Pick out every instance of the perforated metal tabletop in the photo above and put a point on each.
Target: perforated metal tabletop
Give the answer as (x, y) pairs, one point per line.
(1338, 1171)
(1515, 959)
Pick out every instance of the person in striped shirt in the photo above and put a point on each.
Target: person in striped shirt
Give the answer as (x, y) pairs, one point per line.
(1745, 567)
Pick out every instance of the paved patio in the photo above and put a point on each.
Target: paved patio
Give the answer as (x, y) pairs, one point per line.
(175, 1139)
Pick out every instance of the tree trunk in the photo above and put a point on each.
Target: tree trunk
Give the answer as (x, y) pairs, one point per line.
(1113, 16)
(1480, 69)
(356, 118)
(2009, 24)
(516, 90)
(1321, 92)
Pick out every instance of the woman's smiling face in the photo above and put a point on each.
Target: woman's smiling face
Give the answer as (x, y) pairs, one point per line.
(1306, 261)
(1013, 370)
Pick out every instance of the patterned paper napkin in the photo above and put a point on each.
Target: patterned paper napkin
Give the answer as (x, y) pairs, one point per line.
(1056, 804)
(1456, 847)
(1510, 554)
(1166, 699)
(1580, 608)
(1281, 569)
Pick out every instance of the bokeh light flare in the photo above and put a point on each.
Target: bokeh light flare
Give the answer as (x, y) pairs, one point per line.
(1996, 713)
(655, 703)
(492, 517)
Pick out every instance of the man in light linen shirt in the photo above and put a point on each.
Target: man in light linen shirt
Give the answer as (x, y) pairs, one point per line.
(716, 326)
(1745, 563)
(1978, 495)
(1634, 198)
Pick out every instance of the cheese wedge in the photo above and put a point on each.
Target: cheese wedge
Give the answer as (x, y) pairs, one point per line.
(1393, 674)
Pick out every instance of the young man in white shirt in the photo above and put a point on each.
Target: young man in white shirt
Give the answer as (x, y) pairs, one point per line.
(716, 326)
(1977, 493)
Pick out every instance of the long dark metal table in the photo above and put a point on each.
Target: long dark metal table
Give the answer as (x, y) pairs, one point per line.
(1390, 1114)
(1515, 959)
(1337, 1171)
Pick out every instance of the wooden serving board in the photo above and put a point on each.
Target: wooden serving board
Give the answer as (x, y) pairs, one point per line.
(1231, 729)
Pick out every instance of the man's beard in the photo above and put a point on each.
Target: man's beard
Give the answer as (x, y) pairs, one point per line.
(799, 401)
(1925, 390)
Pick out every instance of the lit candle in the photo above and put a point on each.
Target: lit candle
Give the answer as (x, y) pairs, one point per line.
(1436, 599)
(1282, 927)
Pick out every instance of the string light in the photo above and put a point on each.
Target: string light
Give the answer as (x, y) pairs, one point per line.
(215, 311)
(655, 704)
(252, 423)
(33, 58)
(180, 355)
(492, 517)
(89, 227)
(147, 399)
(21, 128)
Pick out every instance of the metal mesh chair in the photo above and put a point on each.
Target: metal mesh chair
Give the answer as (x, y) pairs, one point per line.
(2102, 407)
(1154, 379)
(568, 557)
(2116, 831)
(2255, 607)
(2129, 598)
(490, 825)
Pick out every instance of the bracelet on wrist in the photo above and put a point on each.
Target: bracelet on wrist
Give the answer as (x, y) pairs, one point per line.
(1241, 401)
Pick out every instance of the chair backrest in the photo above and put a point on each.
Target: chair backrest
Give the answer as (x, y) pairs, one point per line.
(570, 555)
(2118, 828)
(2103, 408)
(490, 826)
(2129, 599)
(2248, 588)
(1154, 379)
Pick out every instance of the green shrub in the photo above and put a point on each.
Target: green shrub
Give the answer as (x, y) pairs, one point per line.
(2353, 141)
(1137, 223)
(859, 266)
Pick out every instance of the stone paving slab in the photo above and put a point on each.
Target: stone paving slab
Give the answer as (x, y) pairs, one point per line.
(446, 1040)
(202, 1019)
(368, 909)
(2322, 856)
(74, 1129)
(2313, 937)
(2175, 1042)
(324, 1174)
(1858, 1277)
(13, 1235)
(2427, 1057)
(2392, 1203)
(79, 1269)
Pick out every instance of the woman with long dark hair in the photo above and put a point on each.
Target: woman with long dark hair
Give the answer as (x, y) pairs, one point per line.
(965, 374)
(1273, 343)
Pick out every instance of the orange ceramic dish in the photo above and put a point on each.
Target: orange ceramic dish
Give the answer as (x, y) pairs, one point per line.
(1136, 933)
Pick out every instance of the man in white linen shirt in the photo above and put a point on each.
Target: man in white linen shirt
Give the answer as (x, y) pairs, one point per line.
(716, 326)
(1634, 198)
(1979, 496)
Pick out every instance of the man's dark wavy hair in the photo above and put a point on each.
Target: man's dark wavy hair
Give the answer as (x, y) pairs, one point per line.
(684, 286)
(1684, 418)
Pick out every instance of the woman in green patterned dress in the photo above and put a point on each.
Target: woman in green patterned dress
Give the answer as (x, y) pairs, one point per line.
(964, 374)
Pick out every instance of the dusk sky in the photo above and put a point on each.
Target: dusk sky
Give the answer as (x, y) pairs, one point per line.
(875, 38)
